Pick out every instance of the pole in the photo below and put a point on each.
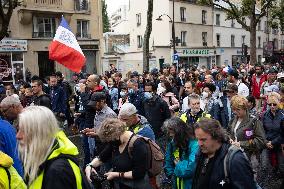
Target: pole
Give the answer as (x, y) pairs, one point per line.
(173, 31)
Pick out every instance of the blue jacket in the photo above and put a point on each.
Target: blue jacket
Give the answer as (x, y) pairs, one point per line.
(58, 99)
(183, 171)
(8, 144)
(224, 112)
(113, 93)
(137, 100)
(272, 126)
(143, 128)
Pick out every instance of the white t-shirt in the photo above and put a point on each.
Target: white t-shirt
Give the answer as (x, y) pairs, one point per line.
(236, 128)
(242, 89)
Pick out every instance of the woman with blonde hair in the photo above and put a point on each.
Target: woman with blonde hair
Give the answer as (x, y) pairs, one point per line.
(48, 156)
(246, 130)
(127, 172)
(273, 120)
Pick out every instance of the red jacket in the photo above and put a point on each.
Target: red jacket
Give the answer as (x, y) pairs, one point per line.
(256, 86)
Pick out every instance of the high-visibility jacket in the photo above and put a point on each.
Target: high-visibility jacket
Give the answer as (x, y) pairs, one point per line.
(184, 116)
(9, 177)
(66, 147)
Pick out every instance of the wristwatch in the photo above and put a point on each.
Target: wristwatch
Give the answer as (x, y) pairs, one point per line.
(89, 164)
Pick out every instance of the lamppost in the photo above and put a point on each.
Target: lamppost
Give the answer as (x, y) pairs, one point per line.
(172, 20)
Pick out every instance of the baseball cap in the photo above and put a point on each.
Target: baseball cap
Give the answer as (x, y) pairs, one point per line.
(231, 87)
(127, 109)
(97, 96)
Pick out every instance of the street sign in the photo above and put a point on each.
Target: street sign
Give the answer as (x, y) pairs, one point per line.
(176, 57)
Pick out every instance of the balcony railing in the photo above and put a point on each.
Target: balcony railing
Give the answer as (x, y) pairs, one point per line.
(81, 5)
(45, 2)
(43, 34)
(83, 35)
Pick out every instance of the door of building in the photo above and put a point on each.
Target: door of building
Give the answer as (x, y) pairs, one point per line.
(45, 66)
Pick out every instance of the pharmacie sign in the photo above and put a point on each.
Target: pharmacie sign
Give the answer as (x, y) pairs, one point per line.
(197, 52)
(9, 45)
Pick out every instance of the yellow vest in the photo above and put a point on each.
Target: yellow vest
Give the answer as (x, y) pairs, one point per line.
(183, 117)
(16, 181)
(65, 147)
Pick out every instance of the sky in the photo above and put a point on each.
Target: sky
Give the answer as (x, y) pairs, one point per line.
(112, 5)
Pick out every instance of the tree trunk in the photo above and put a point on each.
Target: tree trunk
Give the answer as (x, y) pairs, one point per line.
(253, 24)
(148, 31)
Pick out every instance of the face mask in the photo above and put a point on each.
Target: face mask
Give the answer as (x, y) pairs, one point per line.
(205, 95)
(131, 91)
(110, 86)
(148, 95)
(115, 143)
(122, 94)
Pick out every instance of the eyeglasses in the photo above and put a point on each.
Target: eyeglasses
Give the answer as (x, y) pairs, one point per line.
(272, 104)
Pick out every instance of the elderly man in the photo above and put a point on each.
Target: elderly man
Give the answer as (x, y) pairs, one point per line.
(135, 122)
(11, 107)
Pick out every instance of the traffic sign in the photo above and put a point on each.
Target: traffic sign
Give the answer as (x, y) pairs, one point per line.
(176, 57)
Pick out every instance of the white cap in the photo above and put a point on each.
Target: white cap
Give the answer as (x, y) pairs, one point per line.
(127, 109)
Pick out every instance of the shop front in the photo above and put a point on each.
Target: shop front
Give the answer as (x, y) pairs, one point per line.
(196, 57)
(12, 68)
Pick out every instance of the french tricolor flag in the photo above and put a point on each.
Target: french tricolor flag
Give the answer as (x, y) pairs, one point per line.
(65, 49)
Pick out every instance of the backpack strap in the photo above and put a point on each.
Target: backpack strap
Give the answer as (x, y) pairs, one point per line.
(227, 161)
(170, 100)
(8, 175)
(130, 144)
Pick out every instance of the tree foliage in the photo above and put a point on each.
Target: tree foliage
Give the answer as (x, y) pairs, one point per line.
(277, 16)
(6, 10)
(106, 24)
(241, 9)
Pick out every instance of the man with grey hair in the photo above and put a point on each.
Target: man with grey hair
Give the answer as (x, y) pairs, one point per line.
(193, 115)
(135, 122)
(11, 107)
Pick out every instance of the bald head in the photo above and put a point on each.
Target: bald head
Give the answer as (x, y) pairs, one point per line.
(93, 81)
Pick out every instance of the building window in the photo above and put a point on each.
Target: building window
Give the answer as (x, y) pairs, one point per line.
(139, 41)
(204, 39)
(218, 40)
(259, 57)
(232, 23)
(217, 19)
(259, 26)
(182, 14)
(275, 43)
(232, 41)
(81, 5)
(204, 15)
(44, 27)
(259, 41)
(243, 39)
(83, 29)
(183, 38)
(138, 19)
(244, 21)
(266, 30)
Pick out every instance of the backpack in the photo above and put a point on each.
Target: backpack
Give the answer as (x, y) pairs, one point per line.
(228, 160)
(155, 155)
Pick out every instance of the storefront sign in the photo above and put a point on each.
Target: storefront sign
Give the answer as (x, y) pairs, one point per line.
(9, 45)
(197, 52)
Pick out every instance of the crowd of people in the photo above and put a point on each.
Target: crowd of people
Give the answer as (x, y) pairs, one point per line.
(217, 128)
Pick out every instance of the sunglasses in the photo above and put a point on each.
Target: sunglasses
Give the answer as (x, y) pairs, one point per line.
(272, 104)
